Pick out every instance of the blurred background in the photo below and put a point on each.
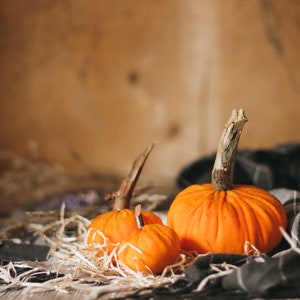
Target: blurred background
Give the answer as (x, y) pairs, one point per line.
(85, 86)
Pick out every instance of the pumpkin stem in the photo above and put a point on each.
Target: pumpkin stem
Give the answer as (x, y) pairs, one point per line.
(123, 195)
(222, 173)
(138, 216)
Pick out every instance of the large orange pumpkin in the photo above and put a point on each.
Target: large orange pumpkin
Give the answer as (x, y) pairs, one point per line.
(150, 248)
(222, 217)
(111, 228)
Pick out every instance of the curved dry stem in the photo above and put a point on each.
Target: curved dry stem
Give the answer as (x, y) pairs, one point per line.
(123, 195)
(222, 174)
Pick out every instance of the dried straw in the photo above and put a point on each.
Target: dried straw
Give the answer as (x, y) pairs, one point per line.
(79, 266)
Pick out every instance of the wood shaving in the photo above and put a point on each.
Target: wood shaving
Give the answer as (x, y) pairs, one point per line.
(77, 265)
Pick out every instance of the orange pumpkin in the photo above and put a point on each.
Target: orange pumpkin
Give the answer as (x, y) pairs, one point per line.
(221, 217)
(150, 248)
(111, 228)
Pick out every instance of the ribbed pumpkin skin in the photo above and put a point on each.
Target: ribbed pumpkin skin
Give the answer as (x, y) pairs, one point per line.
(209, 220)
(159, 246)
(116, 225)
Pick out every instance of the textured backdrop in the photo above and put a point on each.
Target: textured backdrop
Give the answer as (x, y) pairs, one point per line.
(89, 84)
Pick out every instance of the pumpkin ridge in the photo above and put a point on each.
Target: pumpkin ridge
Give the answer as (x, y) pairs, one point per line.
(219, 212)
(96, 223)
(209, 221)
(200, 218)
(240, 215)
(145, 240)
(114, 224)
(231, 219)
(187, 226)
(195, 188)
(248, 214)
(184, 226)
(274, 204)
(264, 233)
(268, 200)
(257, 193)
(264, 212)
(150, 218)
(157, 232)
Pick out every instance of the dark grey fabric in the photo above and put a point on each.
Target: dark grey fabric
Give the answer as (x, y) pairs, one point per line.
(263, 275)
(278, 167)
(295, 231)
(255, 277)
(10, 251)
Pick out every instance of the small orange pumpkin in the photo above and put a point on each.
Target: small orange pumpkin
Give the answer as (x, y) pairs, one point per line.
(111, 228)
(150, 248)
(221, 217)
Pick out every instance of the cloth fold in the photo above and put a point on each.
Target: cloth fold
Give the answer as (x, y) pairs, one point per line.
(278, 167)
(263, 275)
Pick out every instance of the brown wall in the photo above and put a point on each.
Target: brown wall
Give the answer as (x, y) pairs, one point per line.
(89, 84)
